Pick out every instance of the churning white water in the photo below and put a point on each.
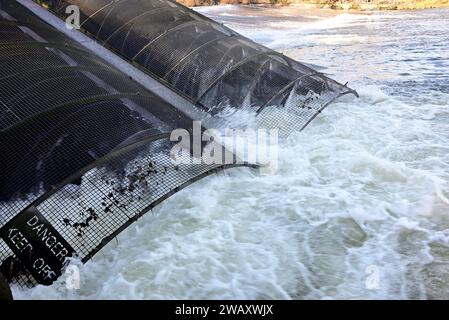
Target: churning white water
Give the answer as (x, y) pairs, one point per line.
(359, 206)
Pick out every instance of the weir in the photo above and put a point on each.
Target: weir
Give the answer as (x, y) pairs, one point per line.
(85, 149)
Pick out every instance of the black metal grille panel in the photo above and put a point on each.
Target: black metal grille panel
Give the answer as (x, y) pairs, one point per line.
(210, 64)
(80, 143)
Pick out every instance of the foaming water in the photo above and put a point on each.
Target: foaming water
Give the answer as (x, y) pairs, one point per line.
(359, 205)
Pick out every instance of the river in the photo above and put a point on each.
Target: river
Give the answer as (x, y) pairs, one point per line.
(359, 206)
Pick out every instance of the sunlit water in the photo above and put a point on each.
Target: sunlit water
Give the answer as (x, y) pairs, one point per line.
(358, 208)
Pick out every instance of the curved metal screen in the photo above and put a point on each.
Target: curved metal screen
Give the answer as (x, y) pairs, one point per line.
(84, 150)
(211, 65)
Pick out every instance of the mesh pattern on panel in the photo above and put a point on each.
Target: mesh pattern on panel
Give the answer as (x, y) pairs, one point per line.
(82, 147)
(202, 60)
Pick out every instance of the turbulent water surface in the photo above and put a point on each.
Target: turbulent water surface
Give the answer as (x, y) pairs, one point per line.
(359, 206)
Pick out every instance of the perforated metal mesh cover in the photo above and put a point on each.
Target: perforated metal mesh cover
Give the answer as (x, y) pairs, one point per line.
(80, 143)
(213, 66)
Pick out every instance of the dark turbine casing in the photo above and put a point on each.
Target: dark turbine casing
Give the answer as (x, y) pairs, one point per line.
(209, 64)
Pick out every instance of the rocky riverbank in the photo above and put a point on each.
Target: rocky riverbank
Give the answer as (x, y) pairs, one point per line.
(379, 4)
(365, 5)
